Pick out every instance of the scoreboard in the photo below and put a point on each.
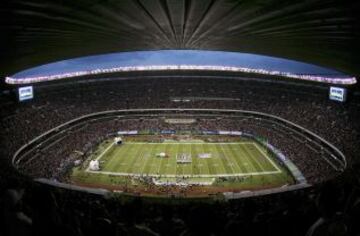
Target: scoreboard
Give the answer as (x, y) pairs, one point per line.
(25, 93)
(337, 94)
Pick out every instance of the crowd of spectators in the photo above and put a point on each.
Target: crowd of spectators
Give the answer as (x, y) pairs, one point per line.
(53, 106)
(53, 161)
(30, 209)
(329, 209)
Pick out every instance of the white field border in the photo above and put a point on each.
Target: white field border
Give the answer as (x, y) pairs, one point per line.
(174, 176)
(189, 143)
(267, 157)
(278, 171)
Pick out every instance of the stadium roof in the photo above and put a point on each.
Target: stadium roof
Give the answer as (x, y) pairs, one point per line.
(179, 60)
(321, 32)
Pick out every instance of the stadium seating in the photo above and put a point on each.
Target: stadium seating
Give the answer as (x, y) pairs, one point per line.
(79, 213)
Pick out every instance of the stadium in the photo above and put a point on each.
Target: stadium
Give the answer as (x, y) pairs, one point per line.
(188, 118)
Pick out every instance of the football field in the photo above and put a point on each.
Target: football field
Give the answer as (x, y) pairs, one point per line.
(202, 159)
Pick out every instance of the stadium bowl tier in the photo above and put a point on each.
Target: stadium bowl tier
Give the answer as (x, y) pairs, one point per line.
(180, 152)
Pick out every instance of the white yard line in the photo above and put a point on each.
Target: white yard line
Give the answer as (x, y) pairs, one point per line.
(167, 164)
(230, 163)
(161, 160)
(139, 154)
(192, 160)
(146, 161)
(176, 157)
(207, 165)
(266, 156)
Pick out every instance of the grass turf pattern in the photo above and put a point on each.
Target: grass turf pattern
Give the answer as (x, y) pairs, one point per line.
(227, 159)
(228, 162)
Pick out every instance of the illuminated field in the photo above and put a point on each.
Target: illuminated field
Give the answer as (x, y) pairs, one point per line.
(246, 163)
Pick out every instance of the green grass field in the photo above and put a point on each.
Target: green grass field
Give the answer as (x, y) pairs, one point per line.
(246, 161)
(227, 159)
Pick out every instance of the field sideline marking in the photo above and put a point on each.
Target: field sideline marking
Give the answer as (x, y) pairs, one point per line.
(240, 143)
(187, 175)
(266, 156)
(102, 154)
(255, 159)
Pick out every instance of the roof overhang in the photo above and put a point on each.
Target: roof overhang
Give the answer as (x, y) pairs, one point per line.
(324, 33)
